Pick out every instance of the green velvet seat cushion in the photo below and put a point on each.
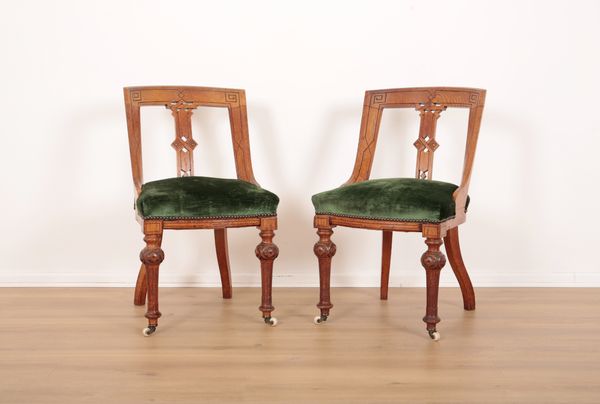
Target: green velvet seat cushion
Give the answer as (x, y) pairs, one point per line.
(204, 197)
(399, 199)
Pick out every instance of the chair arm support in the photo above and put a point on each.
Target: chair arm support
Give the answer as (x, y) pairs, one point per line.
(460, 200)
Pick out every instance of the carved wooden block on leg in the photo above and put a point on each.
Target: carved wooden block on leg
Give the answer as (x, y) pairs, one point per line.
(266, 252)
(433, 260)
(151, 256)
(324, 249)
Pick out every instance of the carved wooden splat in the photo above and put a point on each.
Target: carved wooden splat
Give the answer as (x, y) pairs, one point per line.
(426, 143)
(182, 101)
(184, 144)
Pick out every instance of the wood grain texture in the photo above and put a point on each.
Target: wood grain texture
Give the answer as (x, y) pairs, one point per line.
(59, 346)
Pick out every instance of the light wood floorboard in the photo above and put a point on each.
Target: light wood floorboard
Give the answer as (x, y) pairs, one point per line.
(84, 345)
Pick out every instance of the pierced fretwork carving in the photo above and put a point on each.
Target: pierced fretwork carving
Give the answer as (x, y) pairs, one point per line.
(183, 144)
(426, 143)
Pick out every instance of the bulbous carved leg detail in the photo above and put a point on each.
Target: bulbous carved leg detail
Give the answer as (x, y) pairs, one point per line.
(433, 260)
(151, 256)
(266, 252)
(324, 249)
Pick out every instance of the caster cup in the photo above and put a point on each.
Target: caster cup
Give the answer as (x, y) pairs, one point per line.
(319, 319)
(148, 331)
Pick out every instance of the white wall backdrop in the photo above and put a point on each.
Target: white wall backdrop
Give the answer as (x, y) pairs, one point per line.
(64, 163)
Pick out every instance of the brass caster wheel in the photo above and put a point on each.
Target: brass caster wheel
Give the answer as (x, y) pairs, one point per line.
(320, 319)
(272, 321)
(434, 335)
(148, 331)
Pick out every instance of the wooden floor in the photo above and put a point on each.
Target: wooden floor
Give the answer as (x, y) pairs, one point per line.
(85, 346)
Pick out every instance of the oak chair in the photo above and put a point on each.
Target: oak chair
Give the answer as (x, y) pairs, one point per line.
(432, 208)
(191, 202)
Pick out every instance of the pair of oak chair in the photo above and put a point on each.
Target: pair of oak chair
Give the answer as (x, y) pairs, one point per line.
(433, 208)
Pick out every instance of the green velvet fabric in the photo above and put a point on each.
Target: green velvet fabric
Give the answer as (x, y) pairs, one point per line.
(399, 199)
(204, 197)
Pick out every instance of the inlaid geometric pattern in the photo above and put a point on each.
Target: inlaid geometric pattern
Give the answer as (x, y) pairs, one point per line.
(425, 144)
(232, 97)
(182, 105)
(184, 143)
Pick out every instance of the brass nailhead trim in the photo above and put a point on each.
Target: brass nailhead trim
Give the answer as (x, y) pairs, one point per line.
(205, 217)
(386, 218)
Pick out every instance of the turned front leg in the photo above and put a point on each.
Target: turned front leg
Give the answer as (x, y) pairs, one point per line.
(324, 250)
(152, 255)
(433, 260)
(266, 252)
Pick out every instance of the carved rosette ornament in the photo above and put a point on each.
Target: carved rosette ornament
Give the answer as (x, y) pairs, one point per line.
(152, 255)
(267, 251)
(325, 249)
(433, 258)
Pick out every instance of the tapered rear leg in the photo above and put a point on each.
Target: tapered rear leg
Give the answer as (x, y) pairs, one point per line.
(139, 296)
(386, 258)
(458, 266)
(223, 260)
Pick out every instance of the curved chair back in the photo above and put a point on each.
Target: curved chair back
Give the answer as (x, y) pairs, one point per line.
(430, 102)
(182, 101)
